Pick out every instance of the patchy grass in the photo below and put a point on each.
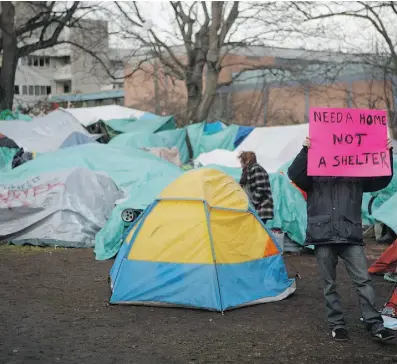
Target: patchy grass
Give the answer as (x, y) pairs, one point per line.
(27, 249)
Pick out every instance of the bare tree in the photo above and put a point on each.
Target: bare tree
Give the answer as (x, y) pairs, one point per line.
(195, 51)
(377, 19)
(37, 25)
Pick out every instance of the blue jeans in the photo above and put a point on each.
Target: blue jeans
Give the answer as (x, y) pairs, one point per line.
(356, 265)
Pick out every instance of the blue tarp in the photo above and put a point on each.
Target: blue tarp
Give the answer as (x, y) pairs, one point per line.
(242, 133)
(213, 128)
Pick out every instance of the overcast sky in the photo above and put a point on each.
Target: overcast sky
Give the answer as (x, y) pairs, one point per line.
(345, 34)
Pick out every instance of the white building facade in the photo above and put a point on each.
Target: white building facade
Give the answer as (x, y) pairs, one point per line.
(70, 69)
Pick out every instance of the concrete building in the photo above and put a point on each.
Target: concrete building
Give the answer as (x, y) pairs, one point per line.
(67, 69)
(282, 88)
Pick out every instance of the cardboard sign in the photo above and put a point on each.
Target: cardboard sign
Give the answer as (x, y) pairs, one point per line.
(348, 143)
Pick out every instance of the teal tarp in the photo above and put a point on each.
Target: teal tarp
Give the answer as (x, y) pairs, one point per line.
(384, 207)
(387, 213)
(126, 166)
(149, 124)
(204, 143)
(367, 219)
(6, 157)
(9, 115)
(166, 139)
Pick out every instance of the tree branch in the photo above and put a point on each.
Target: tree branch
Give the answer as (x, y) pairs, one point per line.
(29, 48)
(234, 12)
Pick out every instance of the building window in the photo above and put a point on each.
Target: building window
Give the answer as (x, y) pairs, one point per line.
(30, 61)
(24, 90)
(66, 88)
(16, 90)
(31, 89)
(65, 60)
(35, 61)
(47, 61)
(42, 90)
(48, 90)
(37, 90)
(41, 61)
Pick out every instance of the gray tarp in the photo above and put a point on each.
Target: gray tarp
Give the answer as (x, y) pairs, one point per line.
(65, 208)
(43, 134)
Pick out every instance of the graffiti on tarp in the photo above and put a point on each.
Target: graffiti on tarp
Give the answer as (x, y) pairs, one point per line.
(26, 193)
(20, 186)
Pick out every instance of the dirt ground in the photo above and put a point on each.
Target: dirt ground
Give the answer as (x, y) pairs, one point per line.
(53, 309)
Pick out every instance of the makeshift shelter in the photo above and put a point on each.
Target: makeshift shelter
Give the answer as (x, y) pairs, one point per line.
(163, 139)
(204, 139)
(149, 123)
(201, 245)
(274, 146)
(122, 119)
(65, 207)
(42, 134)
(91, 115)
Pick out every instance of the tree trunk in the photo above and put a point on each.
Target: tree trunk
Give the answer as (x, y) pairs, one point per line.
(212, 59)
(194, 96)
(194, 80)
(10, 55)
(209, 94)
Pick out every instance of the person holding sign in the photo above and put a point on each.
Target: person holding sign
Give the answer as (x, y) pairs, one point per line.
(256, 183)
(334, 227)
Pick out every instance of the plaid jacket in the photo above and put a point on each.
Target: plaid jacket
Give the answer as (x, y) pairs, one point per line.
(258, 184)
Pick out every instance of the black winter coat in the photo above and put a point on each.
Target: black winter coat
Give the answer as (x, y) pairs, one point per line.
(334, 203)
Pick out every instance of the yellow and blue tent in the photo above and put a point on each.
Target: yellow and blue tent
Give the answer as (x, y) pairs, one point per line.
(200, 244)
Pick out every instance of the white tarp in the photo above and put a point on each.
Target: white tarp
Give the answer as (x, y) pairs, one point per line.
(65, 208)
(274, 146)
(42, 134)
(91, 115)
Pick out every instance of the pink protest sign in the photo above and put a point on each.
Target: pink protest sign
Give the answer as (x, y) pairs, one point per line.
(348, 143)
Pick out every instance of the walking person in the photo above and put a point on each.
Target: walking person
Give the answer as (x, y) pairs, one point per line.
(335, 229)
(256, 183)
